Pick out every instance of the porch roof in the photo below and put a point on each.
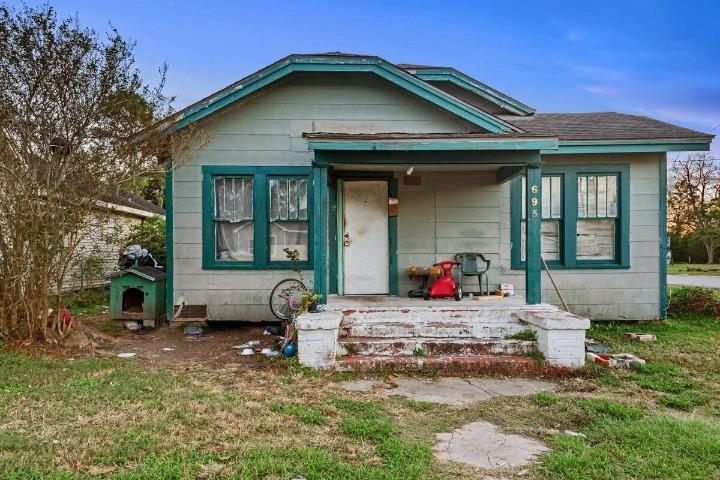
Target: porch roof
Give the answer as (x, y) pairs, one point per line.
(396, 141)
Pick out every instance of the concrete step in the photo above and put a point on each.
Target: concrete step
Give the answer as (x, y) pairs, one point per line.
(432, 346)
(446, 314)
(443, 364)
(459, 328)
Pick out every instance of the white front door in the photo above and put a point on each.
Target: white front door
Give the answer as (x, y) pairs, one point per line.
(365, 237)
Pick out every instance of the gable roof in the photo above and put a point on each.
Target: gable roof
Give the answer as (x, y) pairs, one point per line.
(335, 62)
(449, 74)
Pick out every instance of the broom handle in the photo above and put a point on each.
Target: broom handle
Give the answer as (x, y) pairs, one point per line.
(557, 290)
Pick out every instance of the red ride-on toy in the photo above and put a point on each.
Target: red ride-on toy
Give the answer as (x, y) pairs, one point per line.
(445, 285)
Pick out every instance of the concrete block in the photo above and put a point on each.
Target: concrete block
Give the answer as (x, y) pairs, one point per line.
(560, 335)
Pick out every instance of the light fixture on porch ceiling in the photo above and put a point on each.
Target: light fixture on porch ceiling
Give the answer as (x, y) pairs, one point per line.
(410, 170)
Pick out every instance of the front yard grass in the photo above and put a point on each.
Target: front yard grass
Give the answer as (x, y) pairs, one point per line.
(89, 418)
(693, 269)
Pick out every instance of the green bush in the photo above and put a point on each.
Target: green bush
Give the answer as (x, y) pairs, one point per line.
(697, 300)
(150, 235)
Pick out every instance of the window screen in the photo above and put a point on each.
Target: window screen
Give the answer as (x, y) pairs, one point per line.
(234, 227)
(597, 217)
(288, 217)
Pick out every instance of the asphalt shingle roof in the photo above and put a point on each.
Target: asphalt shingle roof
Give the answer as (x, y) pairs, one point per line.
(601, 126)
(127, 199)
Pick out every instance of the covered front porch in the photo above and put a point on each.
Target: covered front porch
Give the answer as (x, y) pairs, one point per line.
(384, 203)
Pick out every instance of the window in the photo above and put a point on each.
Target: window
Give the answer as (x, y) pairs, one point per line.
(288, 218)
(585, 217)
(551, 218)
(597, 217)
(234, 226)
(251, 214)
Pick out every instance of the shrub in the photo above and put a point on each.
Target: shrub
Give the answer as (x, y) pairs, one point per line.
(697, 300)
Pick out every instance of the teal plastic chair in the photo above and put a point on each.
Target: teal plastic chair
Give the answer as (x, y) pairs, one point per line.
(473, 265)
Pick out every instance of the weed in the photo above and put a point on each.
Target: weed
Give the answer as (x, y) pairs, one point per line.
(610, 408)
(420, 352)
(420, 406)
(545, 399)
(307, 415)
(661, 377)
(685, 400)
(527, 335)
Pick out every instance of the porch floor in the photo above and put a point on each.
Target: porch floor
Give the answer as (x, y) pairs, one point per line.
(345, 302)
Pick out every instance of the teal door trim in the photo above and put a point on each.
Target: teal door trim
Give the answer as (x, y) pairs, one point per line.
(662, 222)
(533, 193)
(340, 176)
(320, 228)
(169, 239)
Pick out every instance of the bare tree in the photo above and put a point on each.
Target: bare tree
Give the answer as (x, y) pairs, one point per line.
(694, 200)
(70, 103)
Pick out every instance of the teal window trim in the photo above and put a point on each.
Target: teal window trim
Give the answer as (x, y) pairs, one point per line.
(568, 245)
(261, 216)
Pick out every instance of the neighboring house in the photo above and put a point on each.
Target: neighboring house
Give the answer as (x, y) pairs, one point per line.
(98, 253)
(308, 152)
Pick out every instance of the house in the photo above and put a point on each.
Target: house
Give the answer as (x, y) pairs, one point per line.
(98, 251)
(367, 168)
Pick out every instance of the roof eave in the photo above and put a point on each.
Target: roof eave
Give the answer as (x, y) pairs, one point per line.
(468, 83)
(632, 145)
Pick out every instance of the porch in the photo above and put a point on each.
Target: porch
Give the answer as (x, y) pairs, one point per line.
(383, 203)
(427, 198)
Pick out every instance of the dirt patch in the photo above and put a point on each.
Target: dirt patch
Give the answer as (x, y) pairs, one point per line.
(169, 346)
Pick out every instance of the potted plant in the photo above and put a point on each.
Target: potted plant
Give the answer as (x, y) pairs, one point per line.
(309, 299)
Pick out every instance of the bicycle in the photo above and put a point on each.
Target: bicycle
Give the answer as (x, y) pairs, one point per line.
(285, 303)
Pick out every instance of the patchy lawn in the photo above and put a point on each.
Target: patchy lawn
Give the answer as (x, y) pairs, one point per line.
(693, 269)
(133, 419)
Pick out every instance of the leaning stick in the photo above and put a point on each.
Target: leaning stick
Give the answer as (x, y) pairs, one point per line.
(557, 290)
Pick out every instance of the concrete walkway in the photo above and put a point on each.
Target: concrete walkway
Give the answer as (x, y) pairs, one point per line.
(707, 281)
(453, 390)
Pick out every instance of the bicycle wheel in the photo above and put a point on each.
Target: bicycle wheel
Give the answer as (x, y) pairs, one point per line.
(285, 298)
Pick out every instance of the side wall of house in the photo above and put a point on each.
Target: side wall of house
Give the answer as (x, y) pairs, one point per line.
(97, 253)
(464, 211)
(267, 131)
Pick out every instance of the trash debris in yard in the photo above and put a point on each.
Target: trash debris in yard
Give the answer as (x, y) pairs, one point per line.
(615, 360)
(594, 347)
(640, 337)
(192, 330)
(273, 330)
(570, 433)
(132, 326)
(250, 344)
(247, 351)
(126, 354)
(290, 350)
(168, 349)
(269, 352)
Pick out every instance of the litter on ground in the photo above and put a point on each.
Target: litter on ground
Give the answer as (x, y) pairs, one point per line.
(247, 351)
(641, 337)
(615, 360)
(126, 354)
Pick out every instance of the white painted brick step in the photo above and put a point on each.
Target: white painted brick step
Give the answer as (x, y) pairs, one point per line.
(434, 346)
(457, 329)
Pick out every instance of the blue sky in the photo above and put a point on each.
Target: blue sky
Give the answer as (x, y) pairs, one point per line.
(660, 59)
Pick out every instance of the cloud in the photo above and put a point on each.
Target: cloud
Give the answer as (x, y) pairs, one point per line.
(600, 89)
(685, 114)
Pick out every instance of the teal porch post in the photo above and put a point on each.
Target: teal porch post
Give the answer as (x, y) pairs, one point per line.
(320, 231)
(533, 194)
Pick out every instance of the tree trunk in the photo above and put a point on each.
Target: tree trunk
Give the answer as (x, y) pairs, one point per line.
(710, 247)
